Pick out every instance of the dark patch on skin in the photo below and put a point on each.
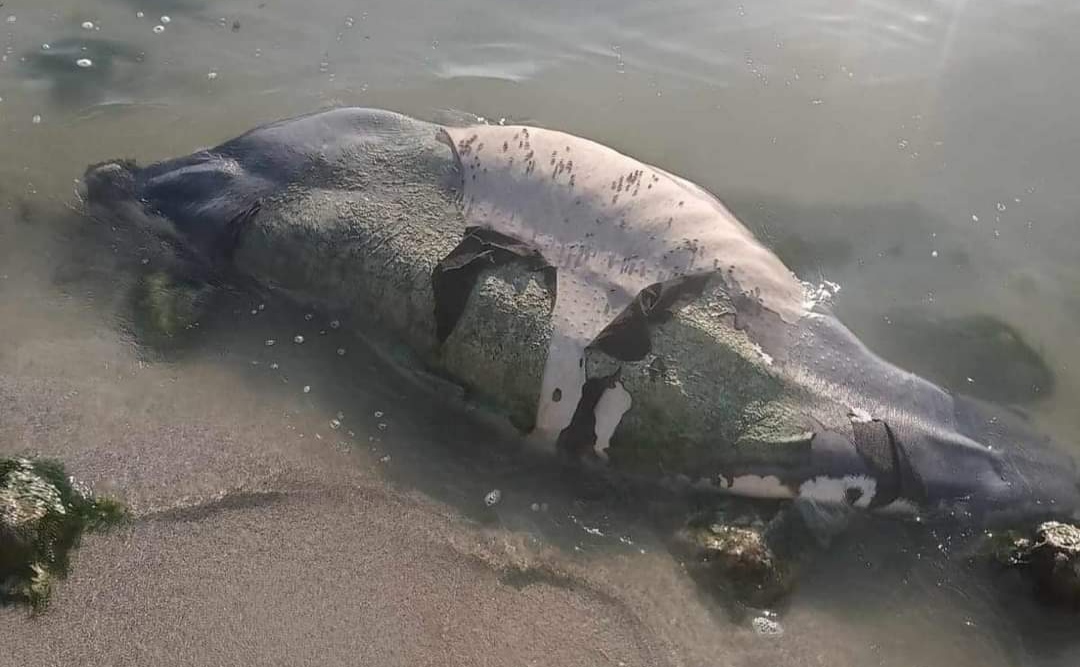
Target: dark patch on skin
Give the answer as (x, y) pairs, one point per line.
(628, 336)
(853, 495)
(888, 463)
(454, 278)
(576, 441)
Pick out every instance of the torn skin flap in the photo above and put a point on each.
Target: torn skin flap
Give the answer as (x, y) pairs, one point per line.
(877, 445)
(627, 337)
(455, 276)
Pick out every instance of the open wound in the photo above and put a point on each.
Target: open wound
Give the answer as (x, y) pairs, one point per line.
(454, 278)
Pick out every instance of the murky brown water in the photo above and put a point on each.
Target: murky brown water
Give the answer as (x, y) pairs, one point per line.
(921, 154)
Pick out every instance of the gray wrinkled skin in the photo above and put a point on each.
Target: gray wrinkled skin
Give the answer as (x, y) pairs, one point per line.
(356, 208)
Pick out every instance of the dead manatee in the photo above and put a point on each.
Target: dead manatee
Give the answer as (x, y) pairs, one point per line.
(613, 311)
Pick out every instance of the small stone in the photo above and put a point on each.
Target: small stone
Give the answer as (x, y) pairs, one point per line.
(158, 29)
(36, 120)
(140, 15)
(211, 75)
(385, 459)
(165, 19)
(378, 414)
(307, 388)
(535, 507)
(308, 317)
(341, 352)
(334, 324)
(84, 63)
(87, 25)
(262, 306)
(298, 339)
(493, 497)
(335, 424)
(270, 342)
(382, 426)
(274, 366)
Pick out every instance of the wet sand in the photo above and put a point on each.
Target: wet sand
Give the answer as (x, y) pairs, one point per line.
(266, 536)
(258, 541)
(254, 546)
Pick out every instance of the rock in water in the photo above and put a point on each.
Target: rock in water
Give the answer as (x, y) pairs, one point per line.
(1052, 560)
(742, 556)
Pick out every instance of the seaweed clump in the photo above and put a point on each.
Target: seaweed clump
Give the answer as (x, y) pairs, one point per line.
(43, 516)
(754, 558)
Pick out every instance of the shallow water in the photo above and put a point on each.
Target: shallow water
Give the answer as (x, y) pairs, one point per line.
(920, 154)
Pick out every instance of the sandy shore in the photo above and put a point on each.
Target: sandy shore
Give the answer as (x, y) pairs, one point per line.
(266, 536)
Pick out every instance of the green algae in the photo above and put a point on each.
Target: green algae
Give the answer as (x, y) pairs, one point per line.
(704, 395)
(734, 553)
(43, 516)
(164, 307)
(499, 346)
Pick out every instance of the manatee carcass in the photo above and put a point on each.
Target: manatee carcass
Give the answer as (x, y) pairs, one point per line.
(612, 311)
